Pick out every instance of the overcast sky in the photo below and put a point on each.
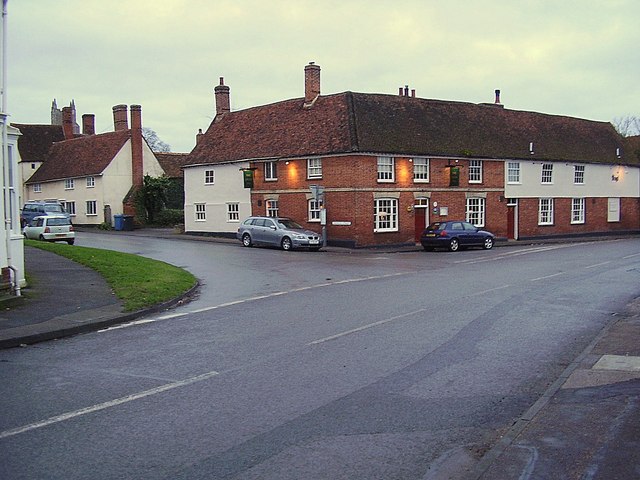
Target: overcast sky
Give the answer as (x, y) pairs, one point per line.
(565, 57)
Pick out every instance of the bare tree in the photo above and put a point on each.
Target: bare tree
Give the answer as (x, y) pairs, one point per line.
(154, 141)
(627, 126)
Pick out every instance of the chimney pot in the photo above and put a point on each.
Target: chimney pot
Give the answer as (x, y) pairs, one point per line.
(311, 83)
(120, 118)
(400, 91)
(413, 92)
(497, 97)
(223, 105)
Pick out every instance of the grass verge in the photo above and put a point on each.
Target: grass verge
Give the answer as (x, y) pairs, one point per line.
(138, 281)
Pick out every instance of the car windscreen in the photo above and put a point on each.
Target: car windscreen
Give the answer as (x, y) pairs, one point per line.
(53, 209)
(290, 224)
(57, 221)
(435, 226)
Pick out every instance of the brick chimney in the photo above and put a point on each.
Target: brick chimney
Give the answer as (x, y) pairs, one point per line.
(67, 123)
(199, 136)
(120, 118)
(311, 83)
(137, 167)
(222, 98)
(89, 124)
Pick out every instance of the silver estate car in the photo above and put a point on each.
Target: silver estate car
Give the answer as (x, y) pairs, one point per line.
(277, 231)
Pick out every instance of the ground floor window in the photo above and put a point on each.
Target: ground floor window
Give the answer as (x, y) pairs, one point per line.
(386, 215)
(314, 210)
(577, 210)
(201, 212)
(233, 212)
(272, 208)
(70, 207)
(92, 208)
(475, 211)
(545, 211)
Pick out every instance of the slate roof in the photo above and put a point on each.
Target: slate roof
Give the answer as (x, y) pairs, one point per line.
(80, 157)
(35, 141)
(172, 163)
(352, 122)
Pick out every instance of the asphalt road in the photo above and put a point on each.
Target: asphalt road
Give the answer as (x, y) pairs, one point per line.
(298, 365)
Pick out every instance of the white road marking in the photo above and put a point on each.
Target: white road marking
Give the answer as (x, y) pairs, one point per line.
(102, 406)
(597, 264)
(631, 256)
(546, 276)
(252, 299)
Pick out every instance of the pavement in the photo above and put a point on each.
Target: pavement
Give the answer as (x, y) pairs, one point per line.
(585, 426)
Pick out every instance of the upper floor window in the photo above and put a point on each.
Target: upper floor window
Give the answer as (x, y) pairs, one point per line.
(420, 169)
(209, 177)
(386, 215)
(475, 171)
(91, 182)
(314, 168)
(513, 172)
(37, 188)
(272, 208)
(386, 170)
(578, 174)
(547, 173)
(68, 184)
(271, 171)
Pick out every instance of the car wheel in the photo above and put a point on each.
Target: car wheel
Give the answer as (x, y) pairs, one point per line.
(454, 245)
(246, 240)
(41, 237)
(286, 243)
(71, 242)
(488, 243)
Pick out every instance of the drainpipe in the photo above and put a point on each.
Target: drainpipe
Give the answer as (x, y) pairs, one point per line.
(8, 189)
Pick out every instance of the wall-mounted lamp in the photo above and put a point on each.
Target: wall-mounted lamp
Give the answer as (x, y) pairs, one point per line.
(411, 160)
(287, 162)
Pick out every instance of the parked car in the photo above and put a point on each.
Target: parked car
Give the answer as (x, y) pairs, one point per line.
(37, 208)
(51, 228)
(277, 231)
(455, 234)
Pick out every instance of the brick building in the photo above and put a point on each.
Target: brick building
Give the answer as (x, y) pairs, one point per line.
(389, 164)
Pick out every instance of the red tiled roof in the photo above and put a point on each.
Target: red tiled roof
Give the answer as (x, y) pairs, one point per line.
(35, 141)
(80, 157)
(172, 163)
(375, 123)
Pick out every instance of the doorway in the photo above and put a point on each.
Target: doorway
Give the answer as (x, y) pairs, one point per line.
(512, 227)
(421, 217)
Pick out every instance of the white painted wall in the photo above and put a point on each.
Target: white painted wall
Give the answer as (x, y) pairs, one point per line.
(12, 243)
(228, 188)
(597, 181)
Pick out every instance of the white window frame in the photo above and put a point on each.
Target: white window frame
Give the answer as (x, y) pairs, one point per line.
(513, 172)
(91, 182)
(547, 173)
(233, 212)
(476, 211)
(545, 211)
(385, 215)
(386, 169)
(37, 188)
(314, 168)
(92, 208)
(577, 210)
(475, 171)
(271, 171)
(70, 208)
(200, 210)
(314, 207)
(209, 177)
(421, 170)
(69, 184)
(578, 174)
(271, 208)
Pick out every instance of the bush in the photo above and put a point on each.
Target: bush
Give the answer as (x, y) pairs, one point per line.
(169, 217)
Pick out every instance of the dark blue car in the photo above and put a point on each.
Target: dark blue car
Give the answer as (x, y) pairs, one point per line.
(455, 234)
